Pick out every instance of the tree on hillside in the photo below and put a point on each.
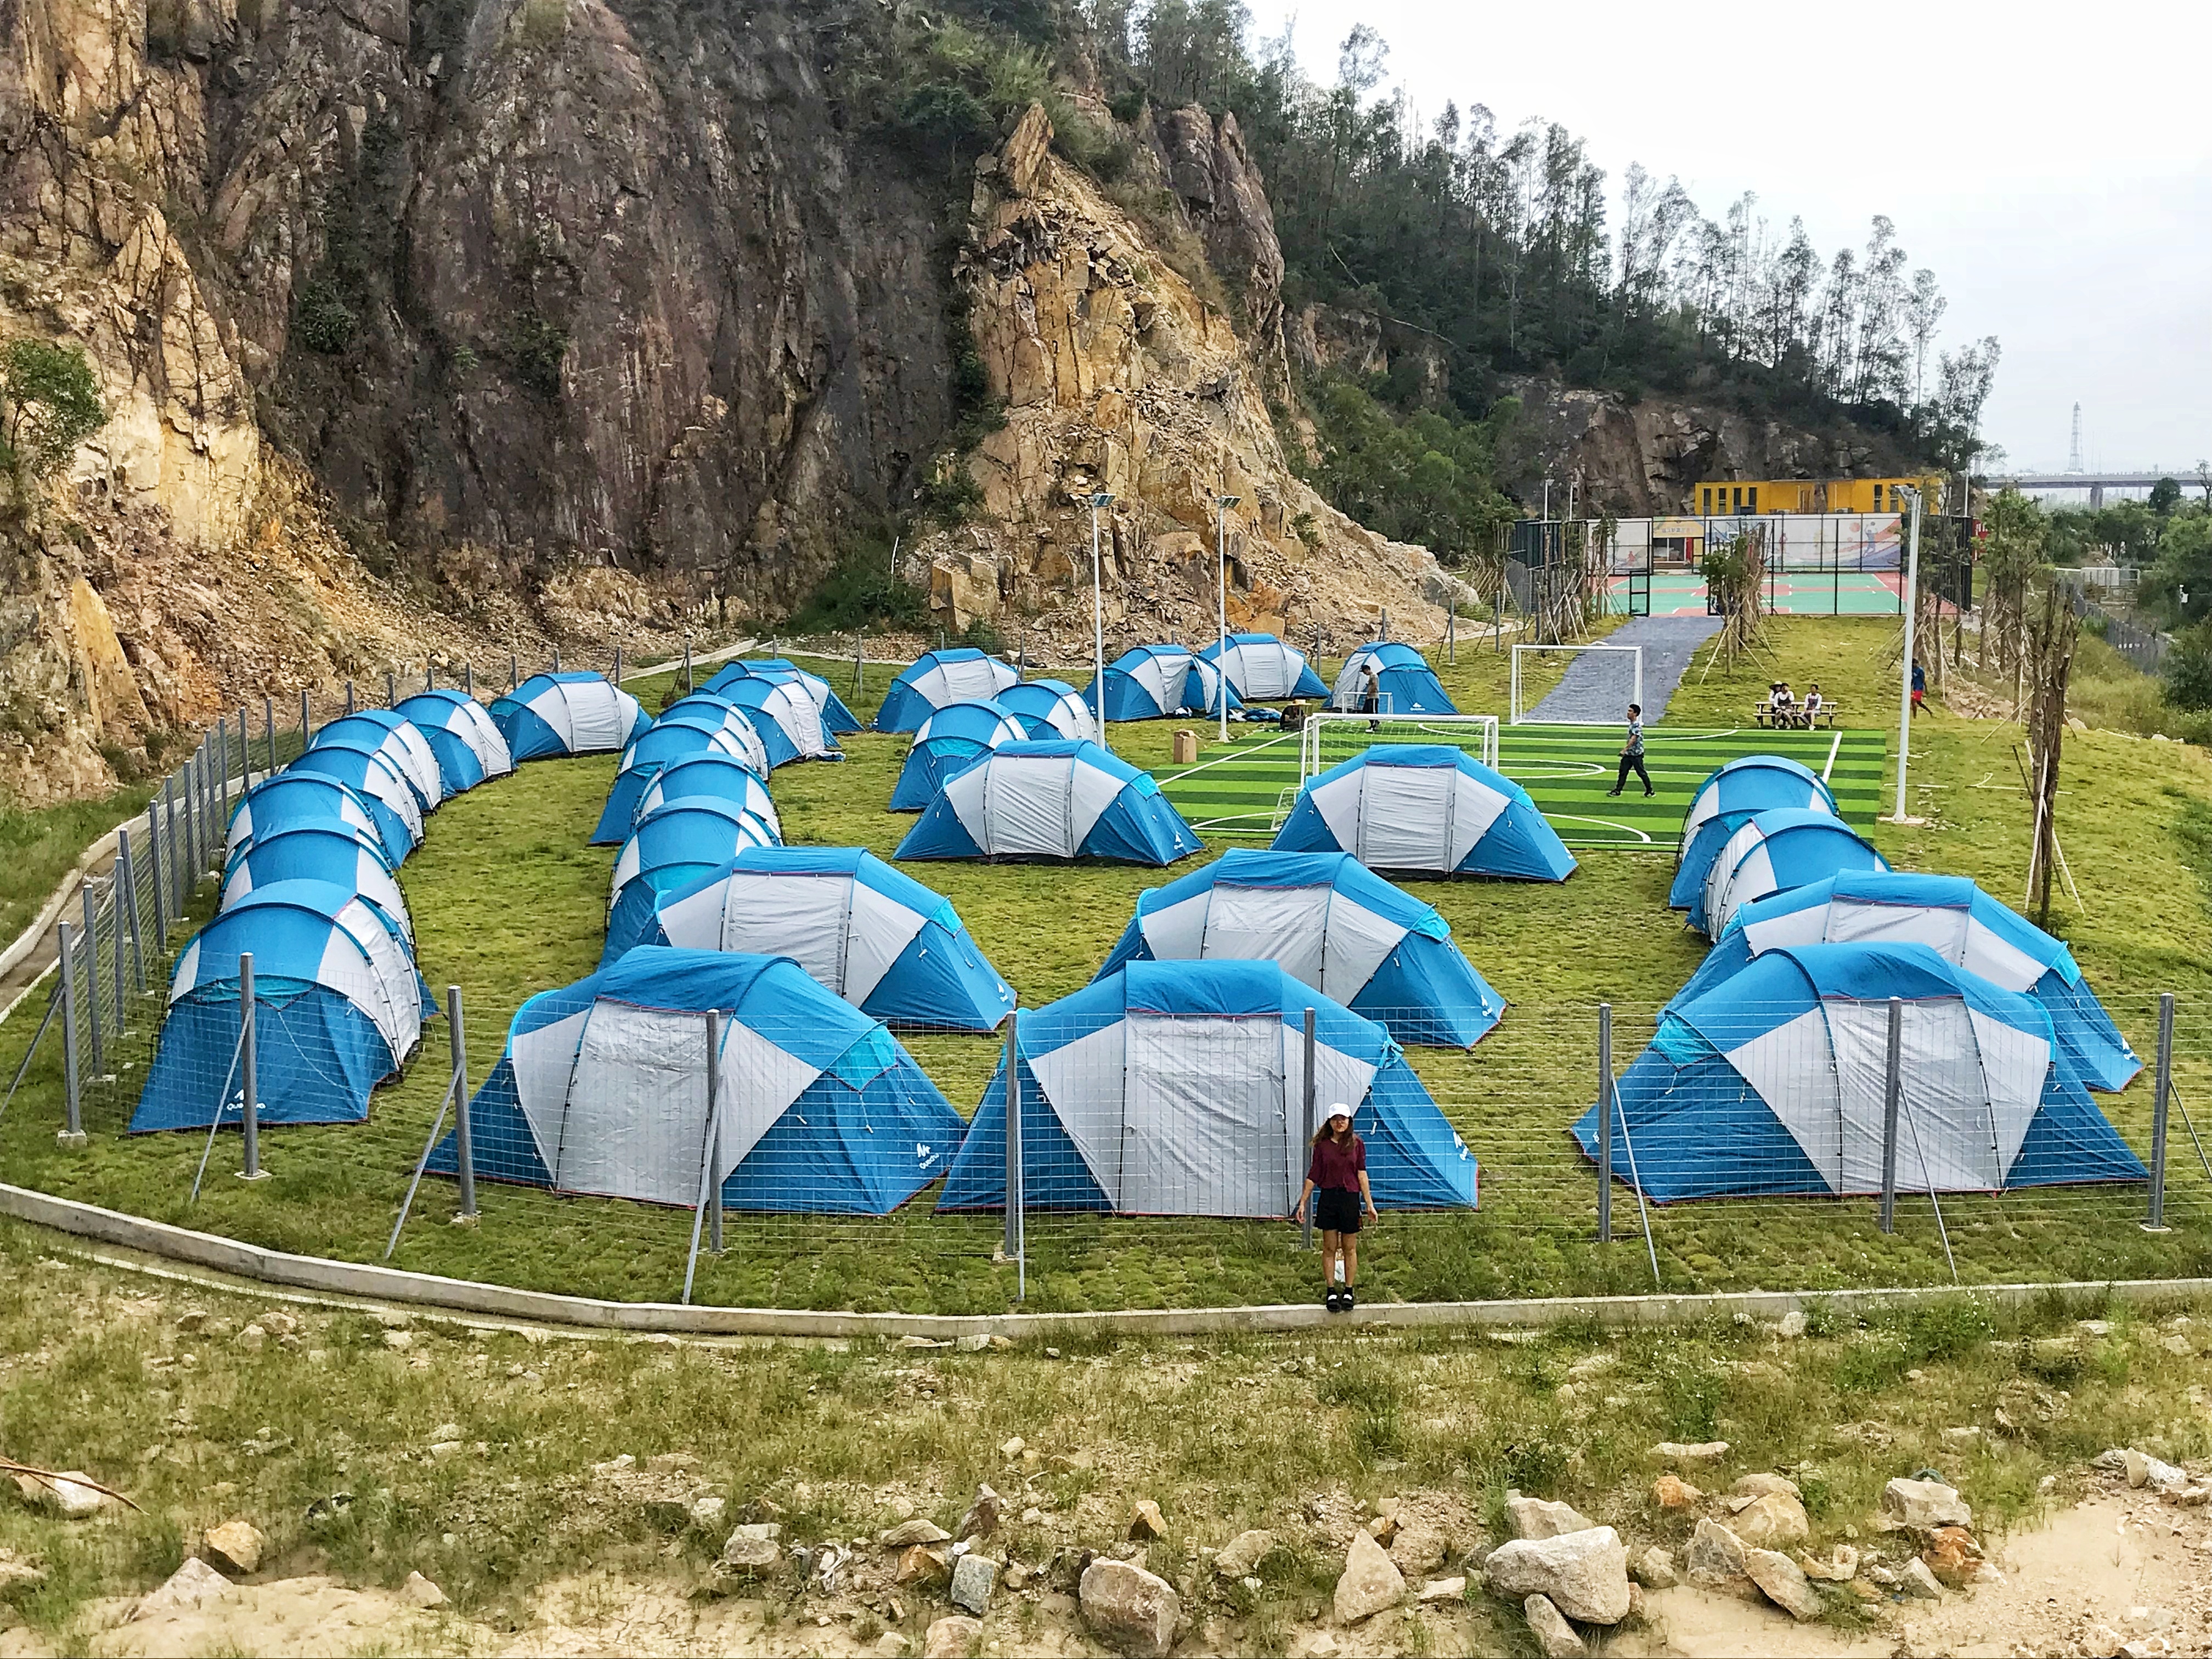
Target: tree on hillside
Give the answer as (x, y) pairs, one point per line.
(49, 404)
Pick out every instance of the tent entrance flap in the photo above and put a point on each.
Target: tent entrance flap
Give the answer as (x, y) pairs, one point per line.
(1206, 1127)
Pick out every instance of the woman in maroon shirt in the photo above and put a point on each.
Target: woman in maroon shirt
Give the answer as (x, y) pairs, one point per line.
(1336, 1184)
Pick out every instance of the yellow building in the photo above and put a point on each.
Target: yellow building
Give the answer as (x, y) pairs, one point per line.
(1722, 498)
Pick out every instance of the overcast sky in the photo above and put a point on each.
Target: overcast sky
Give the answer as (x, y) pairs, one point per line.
(2053, 168)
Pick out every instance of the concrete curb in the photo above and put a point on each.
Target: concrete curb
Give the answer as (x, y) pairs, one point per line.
(322, 1276)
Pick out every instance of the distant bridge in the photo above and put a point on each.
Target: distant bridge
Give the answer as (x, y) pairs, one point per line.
(2095, 482)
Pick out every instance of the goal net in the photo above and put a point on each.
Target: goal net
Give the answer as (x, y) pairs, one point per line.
(1574, 685)
(1329, 739)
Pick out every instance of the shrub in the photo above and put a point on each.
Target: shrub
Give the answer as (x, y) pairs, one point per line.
(52, 403)
(535, 347)
(322, 319)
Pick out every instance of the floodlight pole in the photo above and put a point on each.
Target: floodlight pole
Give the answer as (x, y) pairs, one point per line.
(1221, 506)
(1098, 620)
(1911, 598)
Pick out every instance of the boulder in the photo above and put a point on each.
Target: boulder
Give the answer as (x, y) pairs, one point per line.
(422, 1592)
(1772, 1521)
(1554, 1634)
(1923, 1506)
(923, 1563)
(1145, 1520)
(1538, 1517)
(192, 1585)
(1707, 1452)
(1655, 1569)
(1443, 1589)
(1584, 1573)
(2144, 1470)
(1915, 1579)
(1783, 1582)
(1715, 1561)
(751, 1557)
(1370, 1582)
(1752, 1487)
(1840, 1568)
(1131, 1611)
(919, 1531)
(1419, 1548)
(1241, 1556)
(951, 1637)
(1671, 1492)
(974, 1578)
(1953, 1556)
(235, 1544)
(982, 1517)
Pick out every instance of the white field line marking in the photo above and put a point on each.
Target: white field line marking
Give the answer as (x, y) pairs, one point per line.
(1235, 754)
(1602, 823)
(1834, 749)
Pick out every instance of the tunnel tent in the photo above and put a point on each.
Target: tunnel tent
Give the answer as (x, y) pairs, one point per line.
(961, 674)
(714, 713)
(1429, 809)
(1405, 683)
(1158, 682)
(1050, 708)
(789, 724)
(714, 777)
(870, 934)
(400, 741)
(335, 854)
(1775, 1081)
(1774, 851)
(376, 778)
(573, 714)
(338, 1009)
(602, 1090)
(671, 846)
(1262, 668)
(667, 742)
(1730, 797)
(292, 800)
(951, 738)
(1050, 800)
(1958, 921)
(1332, 924)
(835, 716)
(1177, 1088)
(461, 734)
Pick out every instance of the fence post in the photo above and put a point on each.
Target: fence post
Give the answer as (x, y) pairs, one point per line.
(391, 689)
(429, 675)
(219, 793)
(689, 683)
(154, 879)
(469, 679)
(1016, 1244)
(2156, 1221)
(1605, 1123)
(514, 671)
(713, 1130)
(1892, 1091)
(463, 1141)
(115, 894)
(126, 873)
(92, 981)
(1308, 1129)
(72, 1132)
(556, 659)
(307, 726)
(617, 665)
(248, 1069)
(269, 729)
(191, 788)
(348, 696)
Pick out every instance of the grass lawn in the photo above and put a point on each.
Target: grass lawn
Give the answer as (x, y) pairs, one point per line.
(508, 901)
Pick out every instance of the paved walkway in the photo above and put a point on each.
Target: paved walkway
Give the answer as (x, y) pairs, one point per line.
(1596, 688)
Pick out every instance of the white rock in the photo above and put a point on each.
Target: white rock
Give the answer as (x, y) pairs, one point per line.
(422, 1592)
(1241, 1554)
(1915, 1579)
(1655, 1568)
(1776, 1519)
(976, 1342)
(2144, 1470)
(1538, 1518)
(236, 1544)
(919, 1531)
(1792, 1325)
(707, 1514)
(1445, 1590)
(1784, 1582)
(1708, 1451)
(1133, 1611)
(68, 1493)
(974, 1578)
(1924, 1505)
(192, 1585)
(951, 1637)
(1840, 1568)
(277, 1322)
(1554, 1634)
(1716, 1556)
(1370, 1582)
(1585, 1574)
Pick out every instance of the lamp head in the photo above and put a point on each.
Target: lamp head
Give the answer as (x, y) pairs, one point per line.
(1103, 498)
(1224, 502)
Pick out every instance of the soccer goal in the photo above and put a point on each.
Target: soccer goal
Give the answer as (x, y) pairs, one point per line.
(1595, 690)
(1328, 740)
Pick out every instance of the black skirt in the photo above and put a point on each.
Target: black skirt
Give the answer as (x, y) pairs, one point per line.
(1336, 1210)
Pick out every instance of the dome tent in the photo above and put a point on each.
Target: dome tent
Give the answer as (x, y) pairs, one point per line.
(336, 854)
(1050, 800)
(1775, 851)
(714, 777)
(1775, 1081)
(1956, 919)
(937, 678)
(398, 740)
(1051, 709)
(1264, 669)
(338, 1008)
(668, 741)
(870, 934)
(373, 775)
(461, 734)
(714, 713)
(1407, 684)
(1729, 798)
(785, 716)
(292, 800)
(1330, 923)
(951, 738)
(1177, 1088)
(836, 717)
(576, 714)
(672, 847)
(1155, 682)
(1426, 807)
(602, 1090)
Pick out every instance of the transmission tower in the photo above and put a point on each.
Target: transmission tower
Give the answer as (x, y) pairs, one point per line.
(2073, 456)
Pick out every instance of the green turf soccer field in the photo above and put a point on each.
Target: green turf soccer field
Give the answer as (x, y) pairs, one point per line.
(1244, 787)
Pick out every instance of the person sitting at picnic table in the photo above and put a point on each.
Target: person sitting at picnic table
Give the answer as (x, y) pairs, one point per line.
(1813, 703)
(1784, 705)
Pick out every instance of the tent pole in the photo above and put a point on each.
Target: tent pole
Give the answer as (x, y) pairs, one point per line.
(1893, 1088)
(1605, 1123)
(713, 1130)
(1305, 1229)
(406, 1204)
(2155, 1222)
(1928, 1180)
(705, 1179)
(1014, 1246)
(463, 1141)
(248, 1066)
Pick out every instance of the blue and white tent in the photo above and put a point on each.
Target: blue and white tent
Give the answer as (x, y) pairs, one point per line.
(460, 732)
(667, 742)
(1177, 1088)
(786, 718)
(1954, 918)
(1425, 807)
(1774, 851)
(1405, 684)
(713, 777)
(578, 714)
(1156, 681)
(873, 934)
(951, 738)
(1051, 709)
(336, 854)
(1050, 800)
(1729, 798)
(836, 717)
(712, 712)
(1775, 1081)
(375, 777)
(338, 1008)
(399, 739)
(1330, 923)
(603, 1089)
(295, 800)
(673, 847)
(962, 674)
(1264, 669)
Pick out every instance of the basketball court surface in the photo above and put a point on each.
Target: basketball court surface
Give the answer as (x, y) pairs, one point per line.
(1789, 593)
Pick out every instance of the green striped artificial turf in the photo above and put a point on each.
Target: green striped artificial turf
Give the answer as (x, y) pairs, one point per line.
(1243, 788)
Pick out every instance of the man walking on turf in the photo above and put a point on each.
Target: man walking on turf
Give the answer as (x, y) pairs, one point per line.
(1632, 754)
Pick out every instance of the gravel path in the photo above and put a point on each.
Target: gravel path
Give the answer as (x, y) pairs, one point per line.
(1597, 687)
